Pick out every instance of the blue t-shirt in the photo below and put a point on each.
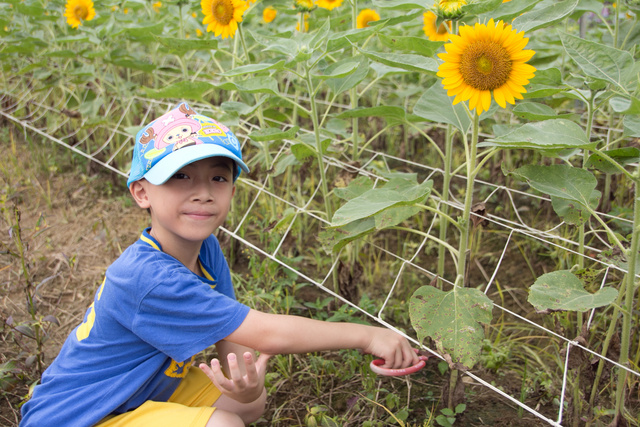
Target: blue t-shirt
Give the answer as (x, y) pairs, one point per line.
(149, 317)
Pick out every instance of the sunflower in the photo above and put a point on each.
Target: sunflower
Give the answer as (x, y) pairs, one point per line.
(304, 5)
(156, 6)
(440, 34)
(486, 58)
(77, 11)
(269, 14)
(329, 4)
(450, 9)
(222, 16)
(365, 16)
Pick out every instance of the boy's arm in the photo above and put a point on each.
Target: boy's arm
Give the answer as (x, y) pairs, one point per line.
(284, 334)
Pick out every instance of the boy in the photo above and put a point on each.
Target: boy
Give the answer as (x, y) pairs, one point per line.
(169, 296)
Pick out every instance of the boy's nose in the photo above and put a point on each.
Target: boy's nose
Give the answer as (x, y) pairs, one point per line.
(202, 191)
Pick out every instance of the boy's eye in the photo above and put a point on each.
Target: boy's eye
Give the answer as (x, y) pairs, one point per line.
(220, 178)
(180, 175)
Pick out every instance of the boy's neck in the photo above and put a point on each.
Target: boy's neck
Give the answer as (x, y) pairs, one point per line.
(185, 252)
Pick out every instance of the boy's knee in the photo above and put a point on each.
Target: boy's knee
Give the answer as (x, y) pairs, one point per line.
(254, 410)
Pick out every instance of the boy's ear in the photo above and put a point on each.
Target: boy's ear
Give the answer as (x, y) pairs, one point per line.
(139, 193)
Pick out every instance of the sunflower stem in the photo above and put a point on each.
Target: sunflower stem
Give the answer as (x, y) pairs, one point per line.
(471, 150)
(444, 207)
(353, 92)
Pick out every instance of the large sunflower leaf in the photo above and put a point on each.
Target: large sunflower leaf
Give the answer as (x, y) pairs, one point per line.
(254, 68)
(402, 4)
(181, 90)
(397, 192)
(547, 135)
(622, 156)
(344, 39)
(436, 106)
(418, 45)
(407, 61)
(567, 187)
(344, 83)
(599, 61)
(508, 11)
(537, 111)
(177, 45)
(453, 320)
(562, 290)
(261, 84)
(545, 14)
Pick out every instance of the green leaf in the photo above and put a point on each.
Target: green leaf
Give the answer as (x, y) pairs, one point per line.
(339, 69)
(342, 84)
(402, 4)
(626, 105)
(545, 14)
(436, 106)
(134, 64)
(537, 111)
(622, 156)
(284, 45)
(387, 112)
(241, 108)
(631, 126)
(273, 134)
(302, 151)
(476, 8)
(453, 320)
(181, 90)
(253, 68)
(395, 193)
(569, 185)
(142, 33)
(419, 45)
(338, 238)
(260, 84)
(508, 11)
(599, 61)
(356, 188)
(544, 84)
(408, 62)
(563, 291)
(548, 134)
(344, 39)
(180, 46)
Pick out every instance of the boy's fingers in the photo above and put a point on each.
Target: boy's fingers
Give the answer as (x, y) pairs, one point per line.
(234, 369)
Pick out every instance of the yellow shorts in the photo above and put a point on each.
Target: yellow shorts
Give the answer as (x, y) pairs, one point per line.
(190, 405)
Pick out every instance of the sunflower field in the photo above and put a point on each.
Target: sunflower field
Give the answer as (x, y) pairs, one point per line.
(466, 173)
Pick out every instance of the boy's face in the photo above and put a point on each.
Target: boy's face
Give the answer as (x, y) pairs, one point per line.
(192, 204)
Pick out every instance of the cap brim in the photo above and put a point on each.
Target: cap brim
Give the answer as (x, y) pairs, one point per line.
(168, 166)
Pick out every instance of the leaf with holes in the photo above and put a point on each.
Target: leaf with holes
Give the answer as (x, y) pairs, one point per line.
(563, 291)
(572, 190)
(397, 192)
(453, 320)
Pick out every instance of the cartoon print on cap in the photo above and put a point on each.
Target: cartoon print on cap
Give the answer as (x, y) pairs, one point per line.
(177, 129)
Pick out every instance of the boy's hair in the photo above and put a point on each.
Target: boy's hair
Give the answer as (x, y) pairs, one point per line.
(178, 138)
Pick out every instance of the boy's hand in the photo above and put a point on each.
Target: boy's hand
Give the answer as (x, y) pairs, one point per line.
(392, 347)
(242, 388)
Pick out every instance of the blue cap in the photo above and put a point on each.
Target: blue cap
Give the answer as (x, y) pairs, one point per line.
(178, 138)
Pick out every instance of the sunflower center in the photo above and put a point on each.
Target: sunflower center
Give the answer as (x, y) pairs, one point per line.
(222, 11)
(81, 11)
(485, 65)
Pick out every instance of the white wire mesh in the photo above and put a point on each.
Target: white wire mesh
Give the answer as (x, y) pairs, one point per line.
(45, 115)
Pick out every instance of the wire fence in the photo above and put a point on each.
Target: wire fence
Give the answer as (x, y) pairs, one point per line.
(109, 142)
